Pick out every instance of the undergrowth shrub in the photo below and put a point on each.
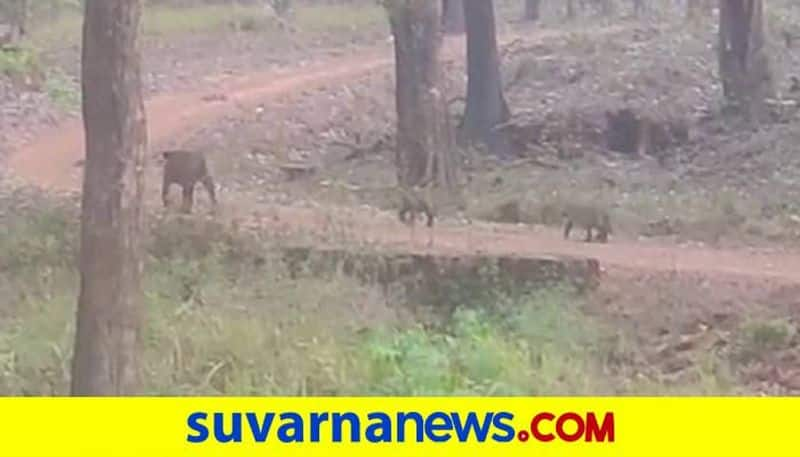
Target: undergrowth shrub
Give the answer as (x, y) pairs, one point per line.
(225, 318)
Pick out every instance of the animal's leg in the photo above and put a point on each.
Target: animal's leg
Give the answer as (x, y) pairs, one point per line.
(208, 183)
(567, 229)
(188, 198)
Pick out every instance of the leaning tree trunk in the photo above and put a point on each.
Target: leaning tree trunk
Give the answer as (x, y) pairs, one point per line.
(453, 17)
(110, 304)
(743, 60)
(532, 10)
(486, 106)
(424, 145)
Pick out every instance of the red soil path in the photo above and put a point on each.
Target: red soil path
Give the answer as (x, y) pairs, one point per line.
(49, 162)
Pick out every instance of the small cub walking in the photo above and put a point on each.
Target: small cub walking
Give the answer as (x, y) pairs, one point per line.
(587, 217)
(411, 205)
(186, 169)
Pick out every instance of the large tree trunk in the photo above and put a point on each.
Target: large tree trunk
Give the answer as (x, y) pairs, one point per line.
(532, 10)
(486, 106)
(743, 61)
(110, 304)
(453, 17)
(424, 145)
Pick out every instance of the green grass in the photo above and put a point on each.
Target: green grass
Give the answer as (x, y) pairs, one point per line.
(167, 22)
(321, 19)
(224, 317)
(63, 91)
(540, 345)
(712, 215)
(19, 62)
(759, 339)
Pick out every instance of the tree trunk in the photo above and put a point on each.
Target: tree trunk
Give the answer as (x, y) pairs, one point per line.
(486, 106)
(743, 61)
(424, 144)
(453, 17)
(110, 304)
(532, 10)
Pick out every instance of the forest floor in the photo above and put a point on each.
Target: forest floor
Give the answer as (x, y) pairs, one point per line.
(729, 272)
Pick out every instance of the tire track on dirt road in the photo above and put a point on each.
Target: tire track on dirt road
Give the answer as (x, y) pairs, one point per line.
(49, 163)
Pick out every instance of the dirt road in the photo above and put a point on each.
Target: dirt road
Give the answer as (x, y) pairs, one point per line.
(49, 162)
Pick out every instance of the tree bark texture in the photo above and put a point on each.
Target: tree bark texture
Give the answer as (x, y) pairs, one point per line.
(424, 143)
(110, 303)
(486, 105)
(743, 60)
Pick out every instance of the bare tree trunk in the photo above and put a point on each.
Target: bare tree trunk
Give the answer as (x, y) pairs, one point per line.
(424, 143)
(532, 10)
(453, 17)
(110, 304)
(743, 61)
(486, 106)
